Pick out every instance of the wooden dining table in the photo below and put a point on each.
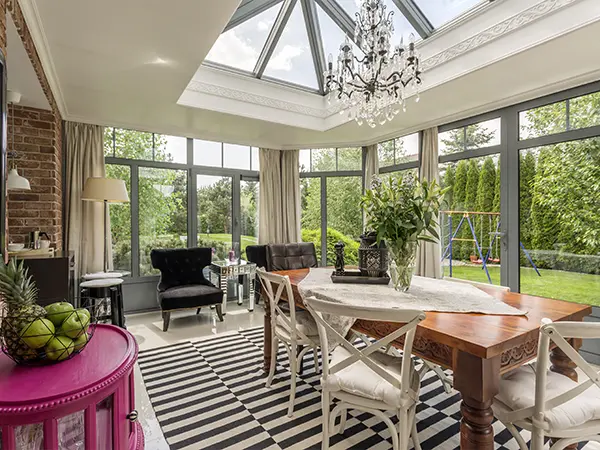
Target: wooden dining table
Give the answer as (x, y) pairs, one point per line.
(478, 348)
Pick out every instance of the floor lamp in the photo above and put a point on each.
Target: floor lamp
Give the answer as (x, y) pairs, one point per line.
(106, 190)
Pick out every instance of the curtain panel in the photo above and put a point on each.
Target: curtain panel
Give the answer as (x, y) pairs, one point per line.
(279, 205)
(429, 254)
(85, 220)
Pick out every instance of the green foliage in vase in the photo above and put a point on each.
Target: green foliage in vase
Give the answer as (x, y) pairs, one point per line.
(402, 209)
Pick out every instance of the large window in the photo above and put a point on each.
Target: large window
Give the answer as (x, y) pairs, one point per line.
(331, 190)
(399, 151)
(560, 220)
(249, 195)
(470, 137)
(215, 199)
(208, 199)
(120, 220)
(162, 212)
(470, 221)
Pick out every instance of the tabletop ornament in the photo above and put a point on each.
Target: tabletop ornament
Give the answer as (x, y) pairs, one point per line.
(34, 335)
(339, 258)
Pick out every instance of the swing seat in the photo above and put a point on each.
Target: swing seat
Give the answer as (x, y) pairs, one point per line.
(475, 260)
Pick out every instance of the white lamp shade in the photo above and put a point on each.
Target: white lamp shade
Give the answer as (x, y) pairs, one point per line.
(99, 189)
(16, 181)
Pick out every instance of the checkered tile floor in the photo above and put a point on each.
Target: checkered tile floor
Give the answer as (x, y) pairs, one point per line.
(211, 394)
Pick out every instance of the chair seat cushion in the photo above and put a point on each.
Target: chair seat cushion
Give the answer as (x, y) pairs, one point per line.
(304, 324)
(359, 379)
(517, 391)
(189, 296)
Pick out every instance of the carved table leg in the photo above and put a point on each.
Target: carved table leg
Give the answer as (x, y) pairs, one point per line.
(477, 380)
(267, 336)
(561, 363)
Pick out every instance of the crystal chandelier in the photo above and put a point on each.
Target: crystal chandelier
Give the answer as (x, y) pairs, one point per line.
(374, 88)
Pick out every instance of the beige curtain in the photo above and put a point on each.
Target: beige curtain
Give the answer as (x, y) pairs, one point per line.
(84, 233)
(279, 204)
(371, 169)
(371, 165)
(429, 254)
(290, 195)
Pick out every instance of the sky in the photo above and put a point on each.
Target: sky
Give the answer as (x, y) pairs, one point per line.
(292, 61)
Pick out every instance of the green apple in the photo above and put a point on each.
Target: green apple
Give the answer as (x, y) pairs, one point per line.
(80, 341)
(84, 311)
(36, 334)
(75, 325)
(59, 348)
(58, 312)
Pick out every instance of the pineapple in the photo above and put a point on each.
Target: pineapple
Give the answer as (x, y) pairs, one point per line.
(18, 294)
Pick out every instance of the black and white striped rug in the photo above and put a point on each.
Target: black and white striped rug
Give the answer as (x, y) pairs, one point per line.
(211, 394)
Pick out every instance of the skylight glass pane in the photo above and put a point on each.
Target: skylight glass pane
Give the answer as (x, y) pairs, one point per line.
(441, 11)
(333, 36)
(241, 46)
(292, 59)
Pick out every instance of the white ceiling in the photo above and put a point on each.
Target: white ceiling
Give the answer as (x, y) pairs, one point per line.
(128, 63)
(21, 77)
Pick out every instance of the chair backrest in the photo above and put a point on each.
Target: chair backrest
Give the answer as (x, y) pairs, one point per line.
(278, 288)
(408, 319)
(181, 266)
(257, 254)
(291, 256)
(558, 333)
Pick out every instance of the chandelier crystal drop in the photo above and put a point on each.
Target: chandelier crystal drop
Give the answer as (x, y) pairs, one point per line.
(373, 89)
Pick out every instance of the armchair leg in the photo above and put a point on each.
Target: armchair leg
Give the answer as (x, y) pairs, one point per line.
(198, 310)
(219, 309)
(166, 315)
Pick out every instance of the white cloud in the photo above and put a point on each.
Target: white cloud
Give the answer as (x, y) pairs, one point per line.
(283, 60)
(263, 26)
(233, 51)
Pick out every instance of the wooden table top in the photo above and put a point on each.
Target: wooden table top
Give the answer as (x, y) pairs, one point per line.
(485, 335)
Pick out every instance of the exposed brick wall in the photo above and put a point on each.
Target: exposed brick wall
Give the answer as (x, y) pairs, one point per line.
(39, 160)
(38, 142)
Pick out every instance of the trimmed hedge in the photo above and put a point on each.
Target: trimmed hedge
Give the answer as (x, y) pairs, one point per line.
(333, 237)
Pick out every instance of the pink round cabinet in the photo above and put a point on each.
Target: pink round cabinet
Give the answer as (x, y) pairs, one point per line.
(85, 402)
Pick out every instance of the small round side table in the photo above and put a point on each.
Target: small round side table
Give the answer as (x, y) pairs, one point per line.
(85, 402)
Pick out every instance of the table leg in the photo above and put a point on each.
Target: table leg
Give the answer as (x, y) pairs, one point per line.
(251, 293)
(477, 380)
(240, 292)
(267, 337)
(223, 282)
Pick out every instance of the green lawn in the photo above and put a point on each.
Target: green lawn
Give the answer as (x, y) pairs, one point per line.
(569, 286)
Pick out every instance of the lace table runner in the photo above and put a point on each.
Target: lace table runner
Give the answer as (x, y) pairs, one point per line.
(425, 294)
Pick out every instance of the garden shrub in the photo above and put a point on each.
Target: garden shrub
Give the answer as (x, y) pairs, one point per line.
(333, 237)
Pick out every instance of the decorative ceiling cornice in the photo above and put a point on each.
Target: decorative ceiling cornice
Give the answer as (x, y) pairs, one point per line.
(261, 100)
(492, 33)
(519, 20)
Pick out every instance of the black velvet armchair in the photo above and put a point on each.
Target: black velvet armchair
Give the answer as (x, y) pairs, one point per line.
(182, 284)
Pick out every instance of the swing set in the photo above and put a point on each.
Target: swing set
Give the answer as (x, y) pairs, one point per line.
(470, 217)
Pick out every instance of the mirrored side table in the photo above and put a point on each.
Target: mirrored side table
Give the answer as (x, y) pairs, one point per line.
(225, 270)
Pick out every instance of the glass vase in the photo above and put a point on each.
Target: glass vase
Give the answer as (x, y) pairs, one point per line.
(402, 256)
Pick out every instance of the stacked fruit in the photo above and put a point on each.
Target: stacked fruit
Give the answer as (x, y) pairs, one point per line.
(31, 333)
(62, 331)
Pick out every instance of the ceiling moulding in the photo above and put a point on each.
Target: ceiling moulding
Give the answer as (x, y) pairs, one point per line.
(328, 112)
(513, 23)
(262, 100)
(38, 35)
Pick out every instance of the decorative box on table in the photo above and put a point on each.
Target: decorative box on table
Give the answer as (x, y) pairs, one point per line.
(86, 402)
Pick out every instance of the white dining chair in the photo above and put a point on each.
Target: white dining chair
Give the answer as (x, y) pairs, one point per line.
(294, 329)
(368, 379)
(549, 404)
